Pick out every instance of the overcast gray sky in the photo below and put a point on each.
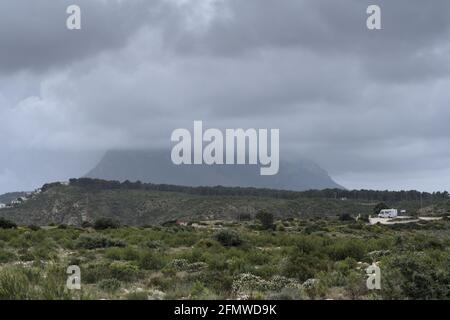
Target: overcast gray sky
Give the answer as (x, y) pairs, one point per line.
(370, 107)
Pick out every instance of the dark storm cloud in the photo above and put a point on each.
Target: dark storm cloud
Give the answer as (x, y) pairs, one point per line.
(34, 35)
(369, 106)
(412, 31)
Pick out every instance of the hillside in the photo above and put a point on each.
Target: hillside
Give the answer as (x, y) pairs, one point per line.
(141, 204)
(156, 166)
(8, 197)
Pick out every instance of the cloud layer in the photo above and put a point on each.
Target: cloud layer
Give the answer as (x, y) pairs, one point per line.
(369, 106)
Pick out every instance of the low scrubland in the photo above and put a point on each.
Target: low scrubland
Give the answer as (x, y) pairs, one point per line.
(318, 258)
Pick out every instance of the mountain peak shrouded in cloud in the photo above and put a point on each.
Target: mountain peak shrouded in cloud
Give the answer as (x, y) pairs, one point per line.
(156, 167)
(369, 106)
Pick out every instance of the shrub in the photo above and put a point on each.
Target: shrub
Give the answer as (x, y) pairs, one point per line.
(380, 206)
(95, 272)
(245, 217)
(207, 244)
(197, 266)
(345, 217)
(137, 295)
(149, 261)
(106, 223)
(126, 253)
(228, 238)
(33, 227)
(247, 282)
(199, 291)
(14, 285)
(109, 285)
(423, 275)
(124, 271)
(6, 224)
(178, 265)
(6, 256)
(93, 241)
(303, 266)
(347, 249)
(155, 244)
(86, 224)
(266, 219)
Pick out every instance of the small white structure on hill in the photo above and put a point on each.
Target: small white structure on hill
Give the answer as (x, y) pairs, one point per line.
(388, 213)
(2, 205)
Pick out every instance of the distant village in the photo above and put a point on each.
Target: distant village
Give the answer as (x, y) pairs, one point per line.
(27, 196)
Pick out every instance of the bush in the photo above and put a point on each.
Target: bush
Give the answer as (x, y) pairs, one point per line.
(228, 238)
(155, 244)
(137, 295)
(149, 261)
(245, 217)
(6, 256)
(423, 275)
(95, 272)
(127, 253)
(303, 266)
(86, 224)
(124, 271)
(33, 227)
(343, 249)
(106, 223)
(6, 224)
(178, 265)
(14, 285)
(266, 219)
(380, 206)
(346, 217)
(109, 285)
(247, 283)
(93, 241)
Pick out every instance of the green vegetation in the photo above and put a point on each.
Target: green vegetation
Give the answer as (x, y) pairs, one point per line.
(313, 258)
(380, 206)
(145, 241)
(228, 238)
(266, 219)
(92, 241)
(86, 201)
(6, 224)
(105, 223)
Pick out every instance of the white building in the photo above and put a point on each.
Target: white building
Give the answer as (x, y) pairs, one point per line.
(2, 205)
(388, 213)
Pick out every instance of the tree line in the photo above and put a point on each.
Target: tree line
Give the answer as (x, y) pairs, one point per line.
(339, 194)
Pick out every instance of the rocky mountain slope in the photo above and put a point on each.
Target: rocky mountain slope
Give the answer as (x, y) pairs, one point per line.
(157, 167)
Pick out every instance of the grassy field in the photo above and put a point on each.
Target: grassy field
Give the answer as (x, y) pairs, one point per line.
(319, 258)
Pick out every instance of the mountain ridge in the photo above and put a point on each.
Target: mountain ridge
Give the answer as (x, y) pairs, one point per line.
(155, 166)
